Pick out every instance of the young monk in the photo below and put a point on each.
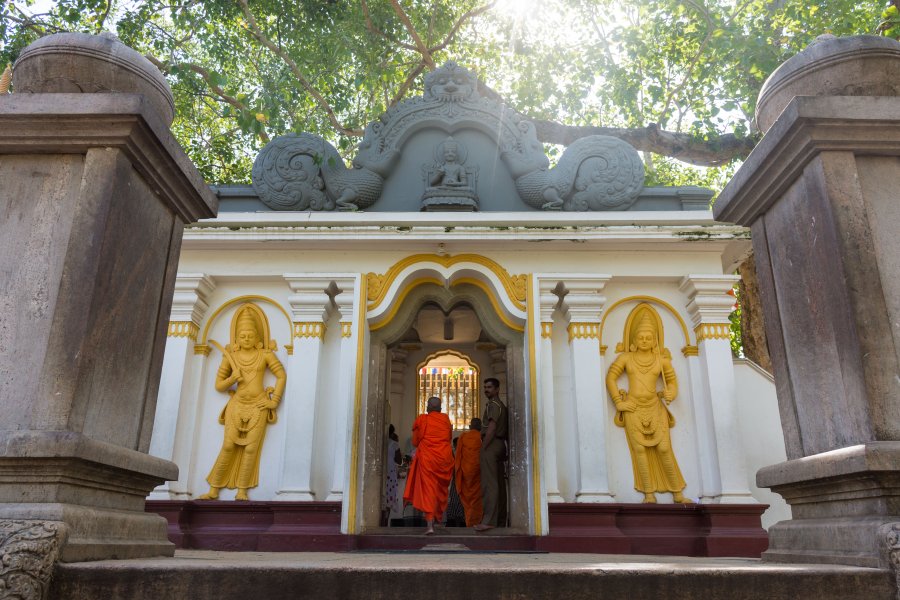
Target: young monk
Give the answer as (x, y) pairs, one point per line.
(468, 472)
(428, 482)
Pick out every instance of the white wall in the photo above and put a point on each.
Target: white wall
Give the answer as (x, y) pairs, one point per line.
(760, 430)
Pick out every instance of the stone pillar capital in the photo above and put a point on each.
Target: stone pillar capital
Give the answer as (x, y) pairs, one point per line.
(189, 303)
(583, 298)
(309, 300)
(343, 292)
(549, 289)
(709, 302)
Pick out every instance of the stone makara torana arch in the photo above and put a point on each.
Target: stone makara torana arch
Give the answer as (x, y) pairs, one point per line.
(304, 172)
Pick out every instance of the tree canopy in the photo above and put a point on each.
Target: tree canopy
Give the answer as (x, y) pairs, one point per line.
(678, 79)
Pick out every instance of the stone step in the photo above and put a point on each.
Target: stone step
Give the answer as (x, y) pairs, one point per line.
(448, 573)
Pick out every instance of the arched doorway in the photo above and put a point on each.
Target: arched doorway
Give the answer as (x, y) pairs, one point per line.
(434, 320)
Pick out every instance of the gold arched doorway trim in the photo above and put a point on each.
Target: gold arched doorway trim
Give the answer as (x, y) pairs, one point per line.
(378, 285)
(447, 352)
(688, 349)
(488, 291)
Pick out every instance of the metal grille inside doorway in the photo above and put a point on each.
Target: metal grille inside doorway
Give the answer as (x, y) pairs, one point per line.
(456, 386)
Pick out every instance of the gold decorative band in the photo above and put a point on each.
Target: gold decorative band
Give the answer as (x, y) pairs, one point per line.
(690, 350)
(185, 329)
(712, 331)
(202, 349)
(587, 331)
(603, 348)
(346, 329)
(309, 330)
(546, 330)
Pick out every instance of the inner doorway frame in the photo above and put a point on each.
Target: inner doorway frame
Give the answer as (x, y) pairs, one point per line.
(506, 325)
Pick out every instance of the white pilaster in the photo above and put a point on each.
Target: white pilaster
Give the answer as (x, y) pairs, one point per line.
(709, 306)
(584, 302)
(180, 375)
(309, 306)
(548, 301)
(346, 301)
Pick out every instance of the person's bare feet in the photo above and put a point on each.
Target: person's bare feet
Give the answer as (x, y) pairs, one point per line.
(483, 527)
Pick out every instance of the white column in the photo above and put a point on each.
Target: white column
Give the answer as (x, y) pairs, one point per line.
(709, 306)
(584, 301)
(309, 306)
(346, 301)
(547, 427)
(175, 405)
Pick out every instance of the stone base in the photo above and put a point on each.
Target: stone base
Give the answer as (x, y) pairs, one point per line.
(453, 575)
(97, 533)
(841, 502)
(96, 489)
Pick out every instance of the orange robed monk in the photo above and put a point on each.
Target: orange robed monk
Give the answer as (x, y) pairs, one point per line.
(428, 482)
(468, 472)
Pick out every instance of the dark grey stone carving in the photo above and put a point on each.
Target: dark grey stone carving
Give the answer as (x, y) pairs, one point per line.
(594, 173)
(28, 551)
(449, 183)
(304, 172)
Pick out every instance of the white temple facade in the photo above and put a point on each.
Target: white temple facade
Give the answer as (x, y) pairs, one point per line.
(368, 309)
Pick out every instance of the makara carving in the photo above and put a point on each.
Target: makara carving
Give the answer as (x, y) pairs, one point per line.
(28, 551)
(304, 172)
(643, 410)
(251, 406)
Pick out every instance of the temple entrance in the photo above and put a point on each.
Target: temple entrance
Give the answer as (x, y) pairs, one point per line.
(443, 341)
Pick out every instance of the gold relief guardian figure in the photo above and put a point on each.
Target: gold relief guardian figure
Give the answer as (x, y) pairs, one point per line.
(642, 409)
(251, 406)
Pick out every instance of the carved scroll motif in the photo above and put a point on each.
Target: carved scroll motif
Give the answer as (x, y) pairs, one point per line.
(28, 551)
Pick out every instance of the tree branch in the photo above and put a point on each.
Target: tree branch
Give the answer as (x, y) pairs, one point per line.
(420, 45)
(401, 91)
(105, 16)
(706, 153)
(459, 23)
(254, 30)
(205, 75)
(370, 25)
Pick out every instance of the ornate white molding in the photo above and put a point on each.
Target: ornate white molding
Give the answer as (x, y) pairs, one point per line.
(582, 296)
(708, 299)
(189, 302)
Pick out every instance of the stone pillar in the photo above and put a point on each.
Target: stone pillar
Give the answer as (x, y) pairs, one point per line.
(547, 303)
(709, 306)
(820, 193)
(584, 302)
(188, 309)
(346, 301)
(94, 197)
(309, 310)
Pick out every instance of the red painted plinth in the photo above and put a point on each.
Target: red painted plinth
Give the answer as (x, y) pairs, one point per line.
(667, 529)
(249, 526)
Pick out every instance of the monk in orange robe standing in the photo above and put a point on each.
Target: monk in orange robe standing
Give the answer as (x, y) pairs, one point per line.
(428, 482)
(468, 472)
